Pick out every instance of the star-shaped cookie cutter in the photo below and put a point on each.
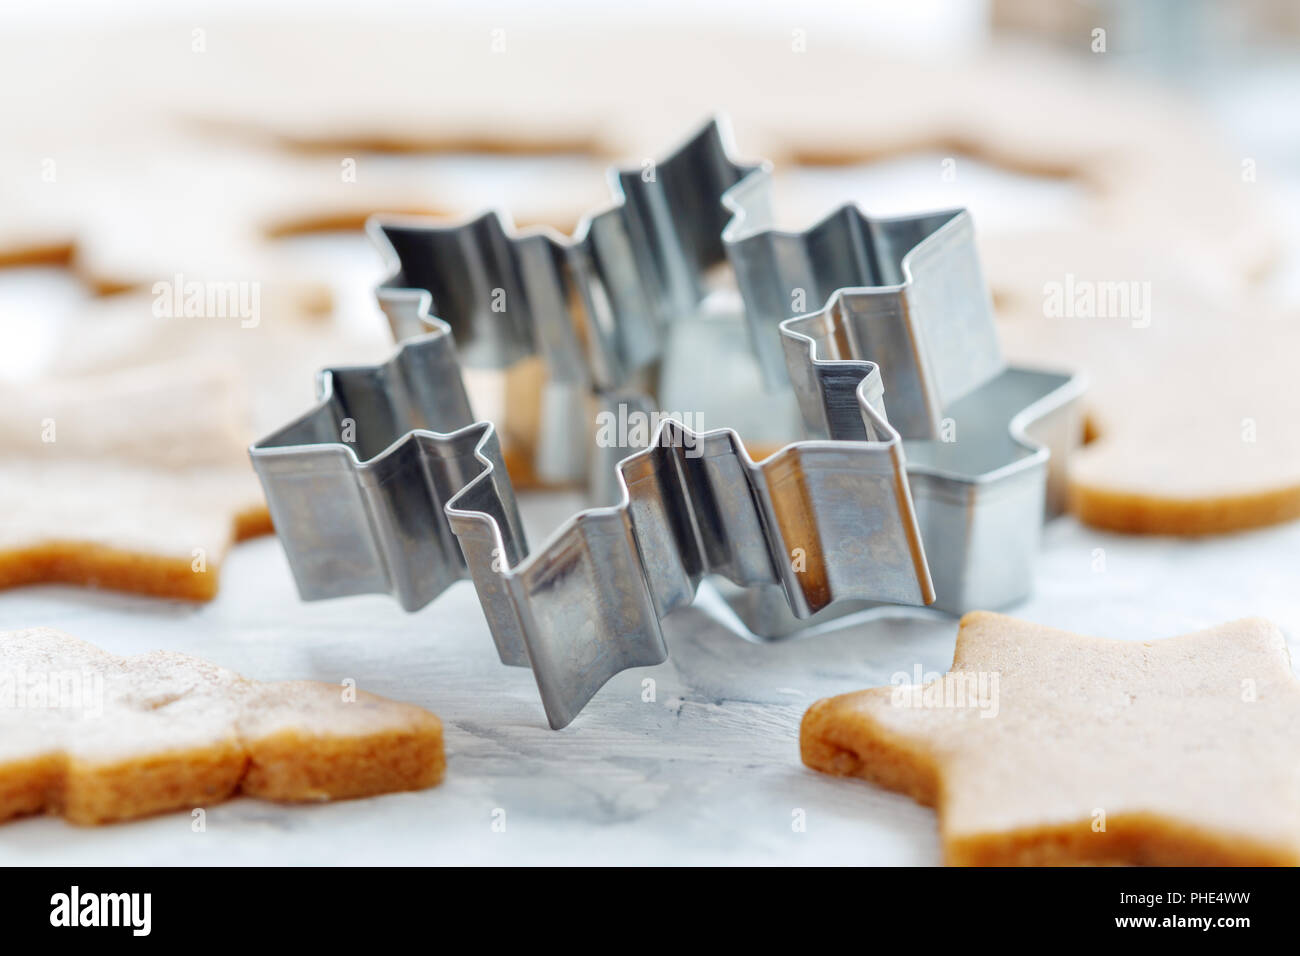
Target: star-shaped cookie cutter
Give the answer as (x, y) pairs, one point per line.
(815, 523)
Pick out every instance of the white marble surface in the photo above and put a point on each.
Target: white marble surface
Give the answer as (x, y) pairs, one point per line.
(707, 773)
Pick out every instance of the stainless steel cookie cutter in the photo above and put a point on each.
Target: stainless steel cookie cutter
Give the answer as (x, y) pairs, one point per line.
(365, 516)
(388, 484)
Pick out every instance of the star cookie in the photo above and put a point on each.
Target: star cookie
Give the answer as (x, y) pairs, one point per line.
(1046, 747)
(97, 737)
(136, 481)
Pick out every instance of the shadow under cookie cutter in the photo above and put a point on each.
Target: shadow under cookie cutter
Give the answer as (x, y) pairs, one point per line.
(420, 499)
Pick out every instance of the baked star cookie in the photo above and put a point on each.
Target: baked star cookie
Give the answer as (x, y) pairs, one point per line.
(1046, 747)
(1190, 430)
(136, 481)
(97, 737)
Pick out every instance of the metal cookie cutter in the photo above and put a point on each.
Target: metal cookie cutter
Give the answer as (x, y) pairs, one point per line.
(421, 499)
(987, 443)
(816, 523)
(390, 485)
(991, 441)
